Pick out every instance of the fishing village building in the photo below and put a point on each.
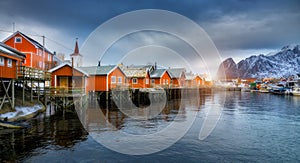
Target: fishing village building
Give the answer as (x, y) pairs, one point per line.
(68, 78)
(9, 60)
(104, 78)
(160, 77)
(37, 56)
(177, 76)
(138, 76)
(192, 80)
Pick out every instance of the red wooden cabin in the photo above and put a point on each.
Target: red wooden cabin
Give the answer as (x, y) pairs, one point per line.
(37, 56)
(104, 78)
(177, 76)
(9, 60)
(66, 77)
(160, 77)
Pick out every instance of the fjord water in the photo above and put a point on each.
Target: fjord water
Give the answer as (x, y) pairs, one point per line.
(253, 127)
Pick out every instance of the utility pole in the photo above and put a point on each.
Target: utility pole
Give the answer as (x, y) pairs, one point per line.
(43, 62)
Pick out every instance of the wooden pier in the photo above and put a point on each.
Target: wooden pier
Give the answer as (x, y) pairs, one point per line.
(141, 97)
(32, 83)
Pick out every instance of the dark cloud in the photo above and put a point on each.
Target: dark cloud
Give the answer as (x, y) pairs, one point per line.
(232, 24)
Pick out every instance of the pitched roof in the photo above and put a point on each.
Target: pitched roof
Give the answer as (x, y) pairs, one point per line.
(98, 70)
(35, 43)
(135, 72)
(67, 64)
(157, 73)
(76, 50)
(189, 76)
(176, 72)
(11, 51)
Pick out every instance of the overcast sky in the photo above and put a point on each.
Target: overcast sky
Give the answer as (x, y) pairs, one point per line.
(238, 28)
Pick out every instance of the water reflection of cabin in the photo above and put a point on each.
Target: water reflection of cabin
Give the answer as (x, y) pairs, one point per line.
(68, 78)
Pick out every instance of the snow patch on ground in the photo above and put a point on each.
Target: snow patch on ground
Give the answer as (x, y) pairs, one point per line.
(21, 111)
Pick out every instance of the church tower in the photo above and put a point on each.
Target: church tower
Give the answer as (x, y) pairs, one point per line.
(76, 57)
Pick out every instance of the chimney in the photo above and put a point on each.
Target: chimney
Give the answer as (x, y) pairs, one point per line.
(99, 63)
(155, 66)
(72, 60)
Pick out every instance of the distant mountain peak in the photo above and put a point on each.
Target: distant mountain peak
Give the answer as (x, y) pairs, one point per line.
(282, 63)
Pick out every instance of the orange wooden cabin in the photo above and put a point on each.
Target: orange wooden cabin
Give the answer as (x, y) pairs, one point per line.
(160, 77)
(37, 56)
(192, 80)
(104, 78)
(64, 76)
(137, 77)
(177, 76)
(9, 61)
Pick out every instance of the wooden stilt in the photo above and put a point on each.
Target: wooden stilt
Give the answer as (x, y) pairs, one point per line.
(13, 94)
(31, 91)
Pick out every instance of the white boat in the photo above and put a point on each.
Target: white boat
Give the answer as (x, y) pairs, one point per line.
(296, 91)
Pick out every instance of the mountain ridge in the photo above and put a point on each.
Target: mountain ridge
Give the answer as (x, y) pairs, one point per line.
(283, 63)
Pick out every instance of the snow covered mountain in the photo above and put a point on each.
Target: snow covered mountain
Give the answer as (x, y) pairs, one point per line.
(283, 63)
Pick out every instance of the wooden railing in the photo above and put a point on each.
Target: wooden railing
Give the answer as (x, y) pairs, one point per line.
(66, 91)
(33, 73)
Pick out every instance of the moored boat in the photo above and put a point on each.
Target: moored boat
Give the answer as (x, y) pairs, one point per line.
(278, 89)
(296, 91)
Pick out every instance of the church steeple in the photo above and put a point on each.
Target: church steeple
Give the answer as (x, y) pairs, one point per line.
(76, 49)
(76, 56)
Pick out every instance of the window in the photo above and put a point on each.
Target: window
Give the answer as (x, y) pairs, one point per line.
(147, 81)
(49, 57)
(9, 62)
(164, 81)
(40, 52)
(167, 81)
(113, 79)
(134, 80)
(40, 64)
(153, 81)
(18, 39)
(120, 80)
(1, 61)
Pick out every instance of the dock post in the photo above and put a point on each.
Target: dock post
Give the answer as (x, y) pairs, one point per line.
(38, 91)
(23, 93)
(13, 94)
(31, 91)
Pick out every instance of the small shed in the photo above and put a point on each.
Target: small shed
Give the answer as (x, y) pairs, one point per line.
(67, 77)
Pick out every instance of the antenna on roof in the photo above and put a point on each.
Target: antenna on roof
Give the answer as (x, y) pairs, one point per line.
(13, 26)
(99, 63)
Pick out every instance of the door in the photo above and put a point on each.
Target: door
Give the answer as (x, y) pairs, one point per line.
(63, 82)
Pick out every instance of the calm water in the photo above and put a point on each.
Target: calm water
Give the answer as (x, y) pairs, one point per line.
(253, 128)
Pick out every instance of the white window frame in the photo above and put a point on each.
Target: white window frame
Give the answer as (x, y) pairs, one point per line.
(164, 81)
(40, 52)
(18, 38)
(2, 61)
(113, 79)
(49, 57)
(167, 81)
(40, 64)
(120, 80)
(134, 80)
(152, 81)
(147, 81)
(9, 62)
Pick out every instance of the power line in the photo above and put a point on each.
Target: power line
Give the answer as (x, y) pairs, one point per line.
(37, 35)
(58, 43)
